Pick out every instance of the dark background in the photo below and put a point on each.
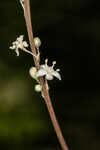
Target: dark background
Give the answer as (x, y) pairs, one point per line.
(70, 34)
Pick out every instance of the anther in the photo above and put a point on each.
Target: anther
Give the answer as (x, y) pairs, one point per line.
(57, 70)
(53, 63)
(46, 61)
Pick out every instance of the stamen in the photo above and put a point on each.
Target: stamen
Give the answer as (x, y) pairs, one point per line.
(53, 63)
(46, 61)
(57, 70)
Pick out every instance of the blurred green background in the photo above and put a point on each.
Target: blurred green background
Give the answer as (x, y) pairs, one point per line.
(70, 34)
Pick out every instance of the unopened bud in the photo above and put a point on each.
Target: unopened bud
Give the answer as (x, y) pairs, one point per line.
(38, 88)
(37, 42)
(32, 72)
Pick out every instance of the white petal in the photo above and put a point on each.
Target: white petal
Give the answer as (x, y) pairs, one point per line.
(20, 38)
(41, 73)
(43, 66)
(49, 77)
(25, 44)
(56, 74)
(12, 47)
(17, 52)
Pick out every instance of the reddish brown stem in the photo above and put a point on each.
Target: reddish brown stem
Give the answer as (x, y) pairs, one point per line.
(53, 118)
(28, 24)
(42, 82)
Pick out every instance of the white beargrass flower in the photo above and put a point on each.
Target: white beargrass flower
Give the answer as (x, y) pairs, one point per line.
(19, 44)
(48, 71)
(38, 88)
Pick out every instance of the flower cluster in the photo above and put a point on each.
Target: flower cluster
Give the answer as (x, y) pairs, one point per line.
(22, 45)
(48, 72)
(45, 71)
(19, 44)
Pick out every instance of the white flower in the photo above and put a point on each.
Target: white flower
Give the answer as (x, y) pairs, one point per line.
(48, 71)
(38, 88)
(19, 44)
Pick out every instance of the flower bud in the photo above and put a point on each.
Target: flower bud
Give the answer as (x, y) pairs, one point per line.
(32, 72)
(38, 88)
(37, 42)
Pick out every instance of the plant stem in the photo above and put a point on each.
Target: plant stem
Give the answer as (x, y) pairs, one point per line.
(27, 14)
(42, 82)
(53, 118)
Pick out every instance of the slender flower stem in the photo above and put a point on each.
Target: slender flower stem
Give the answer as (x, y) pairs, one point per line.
(25, 50)
(42, 82)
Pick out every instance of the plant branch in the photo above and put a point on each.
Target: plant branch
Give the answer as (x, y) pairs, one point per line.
(45, 92)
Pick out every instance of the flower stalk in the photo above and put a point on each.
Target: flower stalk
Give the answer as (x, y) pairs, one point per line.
(43, 81)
